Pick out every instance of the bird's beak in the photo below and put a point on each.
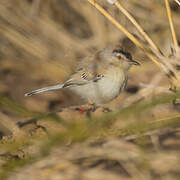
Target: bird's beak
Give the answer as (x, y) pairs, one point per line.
(132, 62)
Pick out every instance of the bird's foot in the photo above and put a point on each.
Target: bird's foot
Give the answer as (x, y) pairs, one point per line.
(87, 108)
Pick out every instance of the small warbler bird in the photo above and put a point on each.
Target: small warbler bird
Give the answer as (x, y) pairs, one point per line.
(100, 78)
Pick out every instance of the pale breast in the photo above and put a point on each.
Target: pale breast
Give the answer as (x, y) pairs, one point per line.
(104, 90)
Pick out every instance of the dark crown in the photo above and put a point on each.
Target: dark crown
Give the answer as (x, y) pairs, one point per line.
(125, 53)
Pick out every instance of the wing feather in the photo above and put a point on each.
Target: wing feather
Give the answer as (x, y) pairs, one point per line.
(91, 69)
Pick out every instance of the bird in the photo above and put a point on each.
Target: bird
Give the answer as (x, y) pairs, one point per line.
(99, 78)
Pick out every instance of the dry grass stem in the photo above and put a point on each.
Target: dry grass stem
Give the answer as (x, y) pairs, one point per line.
(177, 1)
(140, 29)
(171, 24)
(165, 119)
(167, 68)
(124, 30)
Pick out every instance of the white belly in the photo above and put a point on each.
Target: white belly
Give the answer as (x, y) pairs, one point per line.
(103, 90)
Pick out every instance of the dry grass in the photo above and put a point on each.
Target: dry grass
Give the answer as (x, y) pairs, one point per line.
(41, 43)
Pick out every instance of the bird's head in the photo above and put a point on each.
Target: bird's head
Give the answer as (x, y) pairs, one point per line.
(123, 58)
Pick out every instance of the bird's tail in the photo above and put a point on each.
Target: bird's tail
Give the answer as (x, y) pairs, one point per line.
(50, 88)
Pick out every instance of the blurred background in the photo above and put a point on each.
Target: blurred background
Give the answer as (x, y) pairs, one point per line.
(42, 41)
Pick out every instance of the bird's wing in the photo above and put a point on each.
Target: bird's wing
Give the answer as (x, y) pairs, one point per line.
(88, 70)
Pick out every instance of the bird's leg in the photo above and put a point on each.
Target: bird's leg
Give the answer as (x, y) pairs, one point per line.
(92, 105)
(88, 108)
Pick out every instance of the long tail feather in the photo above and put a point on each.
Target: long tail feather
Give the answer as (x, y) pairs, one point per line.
(50, 88)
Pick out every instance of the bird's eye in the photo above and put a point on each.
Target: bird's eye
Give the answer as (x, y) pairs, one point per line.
(119, 57)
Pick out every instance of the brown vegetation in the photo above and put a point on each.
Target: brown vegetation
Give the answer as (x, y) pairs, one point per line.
(46, 136)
